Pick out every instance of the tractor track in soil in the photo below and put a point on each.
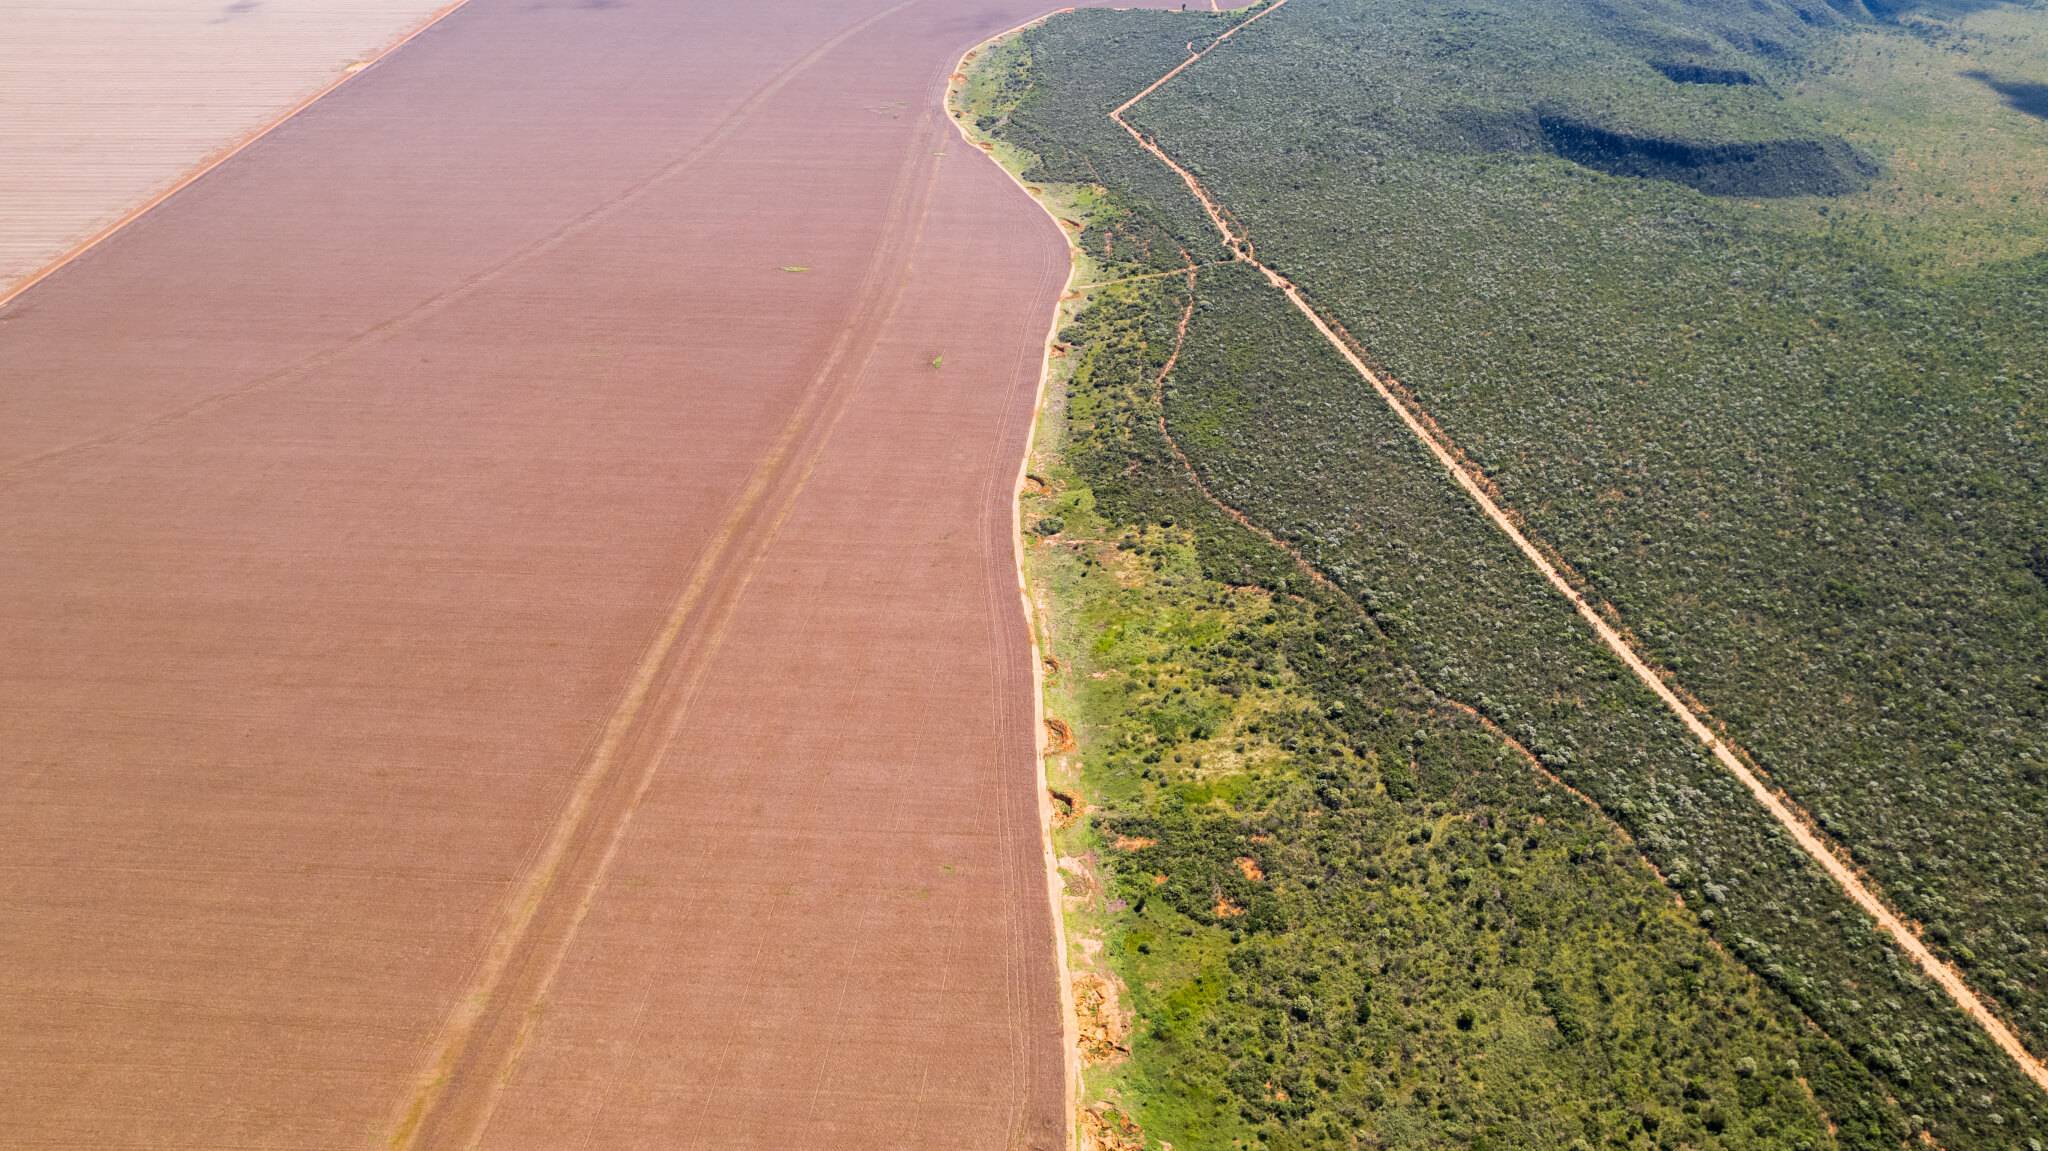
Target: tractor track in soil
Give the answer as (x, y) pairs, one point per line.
(462, 1078)
(459, 614)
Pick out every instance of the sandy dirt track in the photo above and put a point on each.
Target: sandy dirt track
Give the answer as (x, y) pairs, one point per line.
(489, 658)
(104, 105)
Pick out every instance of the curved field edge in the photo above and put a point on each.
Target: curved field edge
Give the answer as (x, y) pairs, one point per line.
(1307, 900)
(178, 155)
(963, 88)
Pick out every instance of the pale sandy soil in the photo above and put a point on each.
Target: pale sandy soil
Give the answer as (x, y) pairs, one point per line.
(105, 104)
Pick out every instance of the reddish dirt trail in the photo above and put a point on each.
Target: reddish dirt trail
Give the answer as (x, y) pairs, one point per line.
(1831, 857)
(488, 659)
(1238, 245)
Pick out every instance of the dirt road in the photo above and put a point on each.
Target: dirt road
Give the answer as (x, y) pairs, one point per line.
(491, 656)
(1795, 821)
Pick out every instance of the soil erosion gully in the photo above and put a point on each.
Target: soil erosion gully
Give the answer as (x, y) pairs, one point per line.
(1832, 857)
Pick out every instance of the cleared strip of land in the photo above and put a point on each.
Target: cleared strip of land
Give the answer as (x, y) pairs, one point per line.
(489, 657)
(1830, 856)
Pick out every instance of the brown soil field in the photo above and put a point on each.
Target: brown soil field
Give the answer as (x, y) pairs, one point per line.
(489, 658)
(103, 106)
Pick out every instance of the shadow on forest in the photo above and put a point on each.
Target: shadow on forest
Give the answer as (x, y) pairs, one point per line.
(2029, 98)
(1680, 72)
(1825, 167)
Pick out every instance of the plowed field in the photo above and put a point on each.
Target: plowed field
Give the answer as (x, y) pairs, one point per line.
(508, 633)
(103, 106)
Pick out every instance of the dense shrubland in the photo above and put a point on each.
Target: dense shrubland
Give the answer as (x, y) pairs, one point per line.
(1280, 427)
(1810, 478)
(1798, 443)
(1347, 916)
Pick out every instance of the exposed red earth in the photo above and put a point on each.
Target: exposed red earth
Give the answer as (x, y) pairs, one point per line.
(490, 658)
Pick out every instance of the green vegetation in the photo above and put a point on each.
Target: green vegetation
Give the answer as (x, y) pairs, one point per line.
(1744, 307)
(1479, 624)
(1791, 448)
(1346, 914)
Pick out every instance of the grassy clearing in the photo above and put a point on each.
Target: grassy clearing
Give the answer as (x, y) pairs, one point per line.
(1967, 171)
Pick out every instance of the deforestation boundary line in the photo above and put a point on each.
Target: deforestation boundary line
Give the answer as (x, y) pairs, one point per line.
(1070, 1020)
(1831, 857)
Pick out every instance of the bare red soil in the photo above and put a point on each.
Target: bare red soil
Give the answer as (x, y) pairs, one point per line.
(487, 658)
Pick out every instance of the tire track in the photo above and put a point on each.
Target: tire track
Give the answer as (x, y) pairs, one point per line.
(1069, 1045)
(1070, 1032)
(435, 304)
(1831, 856)
(481, 1041)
